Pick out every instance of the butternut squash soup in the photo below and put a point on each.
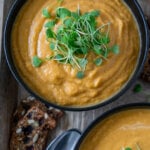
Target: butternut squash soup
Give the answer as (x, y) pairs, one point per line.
(126, 130)
(75, 52)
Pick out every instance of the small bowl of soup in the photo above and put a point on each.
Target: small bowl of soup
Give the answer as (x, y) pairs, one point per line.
(123, 128)
(76, 55)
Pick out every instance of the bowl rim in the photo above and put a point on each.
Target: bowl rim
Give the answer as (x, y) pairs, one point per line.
(7, 51)
(107, 114)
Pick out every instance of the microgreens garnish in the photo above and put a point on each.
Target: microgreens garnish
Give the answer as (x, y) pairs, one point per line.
(50, 24)
(76, 36)
(137, 88)
(98, 61)
(80, 74)
(46, 13)
(36, 61)
(115, 49)
(128, 148)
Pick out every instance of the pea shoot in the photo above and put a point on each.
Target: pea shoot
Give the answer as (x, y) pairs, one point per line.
(129, 148)
(36, 61)
(80, 74)
(76, 36)
(98, 61)
(45, 13)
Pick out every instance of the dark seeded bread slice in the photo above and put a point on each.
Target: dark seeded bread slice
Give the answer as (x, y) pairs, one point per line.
(31, 123)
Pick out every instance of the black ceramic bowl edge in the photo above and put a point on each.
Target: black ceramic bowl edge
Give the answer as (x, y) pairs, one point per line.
(106, 115)
(6, 46)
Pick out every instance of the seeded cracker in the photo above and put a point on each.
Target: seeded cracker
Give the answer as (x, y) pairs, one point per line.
(32, 122)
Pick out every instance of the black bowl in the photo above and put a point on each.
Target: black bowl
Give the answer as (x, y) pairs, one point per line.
(143, 29)
(108, 114)
(73, 139)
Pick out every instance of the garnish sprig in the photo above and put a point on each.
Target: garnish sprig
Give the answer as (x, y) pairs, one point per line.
(77, 36)
(129, 148)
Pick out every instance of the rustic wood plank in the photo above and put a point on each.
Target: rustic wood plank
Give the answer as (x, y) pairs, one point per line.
(8, 92)
(11, 91)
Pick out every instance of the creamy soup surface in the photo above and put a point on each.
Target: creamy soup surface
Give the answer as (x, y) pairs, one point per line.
(125, 129)
(57, 82)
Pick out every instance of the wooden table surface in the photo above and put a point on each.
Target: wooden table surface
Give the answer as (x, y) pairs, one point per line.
(11, 93)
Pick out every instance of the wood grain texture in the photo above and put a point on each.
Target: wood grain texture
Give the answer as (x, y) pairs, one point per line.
(11, 93)
(8, 92)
